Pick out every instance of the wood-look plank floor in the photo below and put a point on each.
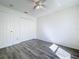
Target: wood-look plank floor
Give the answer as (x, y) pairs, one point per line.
(27, 50)
(74, 52)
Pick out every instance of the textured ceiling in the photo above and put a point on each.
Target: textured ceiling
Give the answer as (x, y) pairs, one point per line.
(27, 6)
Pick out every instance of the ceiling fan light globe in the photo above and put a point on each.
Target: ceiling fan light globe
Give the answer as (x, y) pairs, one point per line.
(39, 7)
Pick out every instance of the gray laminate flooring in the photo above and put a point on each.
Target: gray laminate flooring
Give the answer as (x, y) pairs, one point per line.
(33, 49)
(74, 52)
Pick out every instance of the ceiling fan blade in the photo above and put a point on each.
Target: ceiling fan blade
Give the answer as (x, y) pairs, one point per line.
(43, 5)
(34, 7)
(42, 1)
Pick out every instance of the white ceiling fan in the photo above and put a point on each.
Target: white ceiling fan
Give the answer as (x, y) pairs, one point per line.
(38, 4)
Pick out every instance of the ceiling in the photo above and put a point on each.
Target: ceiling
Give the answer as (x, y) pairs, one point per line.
(26, 6)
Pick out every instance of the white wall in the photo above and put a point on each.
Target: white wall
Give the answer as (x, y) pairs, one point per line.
(61, 27)
(15, 27)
